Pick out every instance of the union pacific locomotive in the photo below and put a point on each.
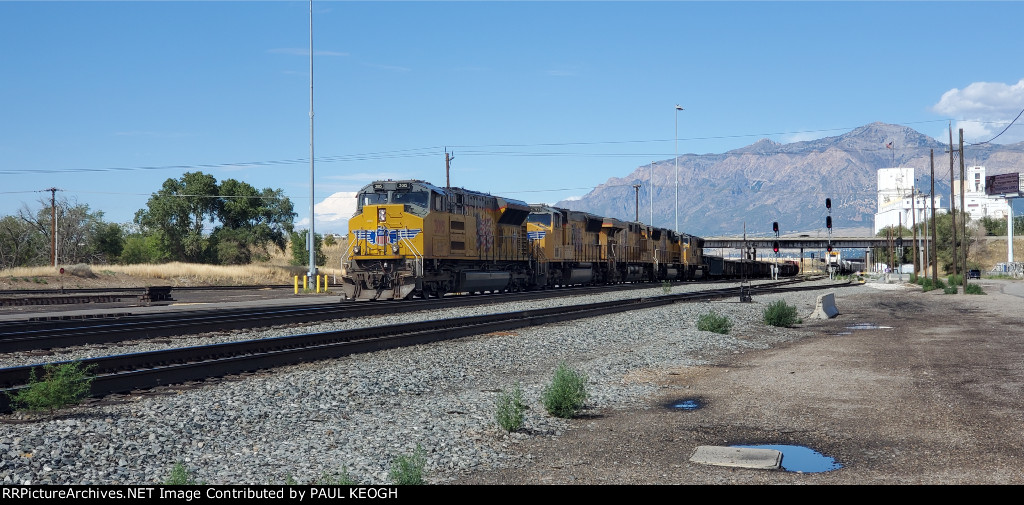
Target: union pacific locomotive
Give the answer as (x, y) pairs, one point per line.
(411, 238)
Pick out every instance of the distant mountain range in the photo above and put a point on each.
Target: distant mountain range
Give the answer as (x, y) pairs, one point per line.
(767, 181)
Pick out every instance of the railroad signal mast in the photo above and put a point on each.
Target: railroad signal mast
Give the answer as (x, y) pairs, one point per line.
(828, 224)
(775, 247)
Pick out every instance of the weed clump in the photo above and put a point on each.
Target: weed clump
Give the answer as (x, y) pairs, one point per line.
(180, 476)
(61, 385)
(566, 393)
(407, 470)
(714, 322)
(511, 409)
(780, 314)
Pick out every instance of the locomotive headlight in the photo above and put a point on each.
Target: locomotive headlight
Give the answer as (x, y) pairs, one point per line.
(394, 248)
(355, 249)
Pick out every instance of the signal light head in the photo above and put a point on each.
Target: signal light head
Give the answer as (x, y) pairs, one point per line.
(828, 203)
(775, 246)
(775, 226)
(828, 222)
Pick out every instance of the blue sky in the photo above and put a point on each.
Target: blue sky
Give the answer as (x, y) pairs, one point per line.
(539, 101)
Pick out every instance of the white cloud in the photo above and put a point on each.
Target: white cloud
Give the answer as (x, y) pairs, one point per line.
(332, 214)
(984, 109)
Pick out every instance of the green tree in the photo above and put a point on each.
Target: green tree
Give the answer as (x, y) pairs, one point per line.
(251, 221)
(300, 253)
(21, 244)
(195, 219)
(178, 213)
(944, 240)
(82, 235)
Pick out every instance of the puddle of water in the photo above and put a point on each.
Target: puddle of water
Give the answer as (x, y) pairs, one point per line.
(868, 326)
(685, 404)
(797, 458)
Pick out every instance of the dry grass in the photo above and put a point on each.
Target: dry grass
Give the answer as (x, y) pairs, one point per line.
(275, 270)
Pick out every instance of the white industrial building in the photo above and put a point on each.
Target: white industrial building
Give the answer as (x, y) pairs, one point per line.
(899, 202)
(977, 203)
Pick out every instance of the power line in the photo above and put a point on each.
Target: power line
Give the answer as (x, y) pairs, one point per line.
(1002, 132)
(421, 152)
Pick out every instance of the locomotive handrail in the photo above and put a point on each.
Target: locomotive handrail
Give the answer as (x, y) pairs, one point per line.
(348, 250)
(418, 263)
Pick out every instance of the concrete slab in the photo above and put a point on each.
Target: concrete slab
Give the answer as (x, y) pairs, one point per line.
(743, 457)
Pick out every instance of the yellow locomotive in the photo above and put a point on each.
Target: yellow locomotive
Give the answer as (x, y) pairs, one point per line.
(411, 238)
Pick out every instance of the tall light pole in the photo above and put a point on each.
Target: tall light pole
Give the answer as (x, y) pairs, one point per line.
(311, 240)
(676, 138)
(652, 193)
(636, 189)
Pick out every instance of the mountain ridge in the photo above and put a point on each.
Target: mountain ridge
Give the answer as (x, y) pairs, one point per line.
(768, 181)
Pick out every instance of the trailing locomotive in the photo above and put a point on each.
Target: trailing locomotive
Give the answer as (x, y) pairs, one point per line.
(411, 238)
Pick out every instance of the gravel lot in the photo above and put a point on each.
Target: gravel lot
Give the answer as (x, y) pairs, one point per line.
(924, 401)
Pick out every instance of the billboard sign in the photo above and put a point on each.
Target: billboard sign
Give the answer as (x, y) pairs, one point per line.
(1003, 184)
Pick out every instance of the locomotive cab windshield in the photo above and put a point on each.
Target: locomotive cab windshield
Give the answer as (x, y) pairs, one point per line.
(415, 199)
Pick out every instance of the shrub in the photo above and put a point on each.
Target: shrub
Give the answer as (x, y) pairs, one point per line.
(666, 287)
(714, 322)
(566, 393)
(780, 313)
(510, 409)
(408, 470)
(973, 289)
(956, 280)
(926, 284)
(950, 289)
(62, 385)
(180, 476)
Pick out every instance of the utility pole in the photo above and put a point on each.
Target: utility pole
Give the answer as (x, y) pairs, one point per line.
(952, 199)
(53, 226)
(963, 222)
(636, 189)
(913, 224)
(447, 168)
(935, 245)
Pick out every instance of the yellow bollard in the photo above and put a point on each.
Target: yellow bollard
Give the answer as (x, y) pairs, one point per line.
(296, 284)
(305, 283)
(318, 283)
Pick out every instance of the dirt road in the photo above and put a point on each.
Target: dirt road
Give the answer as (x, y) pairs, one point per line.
(928, 392)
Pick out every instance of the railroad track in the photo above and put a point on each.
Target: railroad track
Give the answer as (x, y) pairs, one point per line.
(31, 335)
(129, 372)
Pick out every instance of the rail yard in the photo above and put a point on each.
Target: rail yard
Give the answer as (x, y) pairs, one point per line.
(358, 412)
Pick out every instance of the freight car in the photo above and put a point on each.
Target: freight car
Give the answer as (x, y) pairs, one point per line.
(411, 238)
(727, 268)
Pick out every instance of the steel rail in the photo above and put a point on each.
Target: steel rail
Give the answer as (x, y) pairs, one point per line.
(128, 372)
(35, 335)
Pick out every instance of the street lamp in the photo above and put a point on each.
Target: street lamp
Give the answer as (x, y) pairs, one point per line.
(676, 138)
(652, 193)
